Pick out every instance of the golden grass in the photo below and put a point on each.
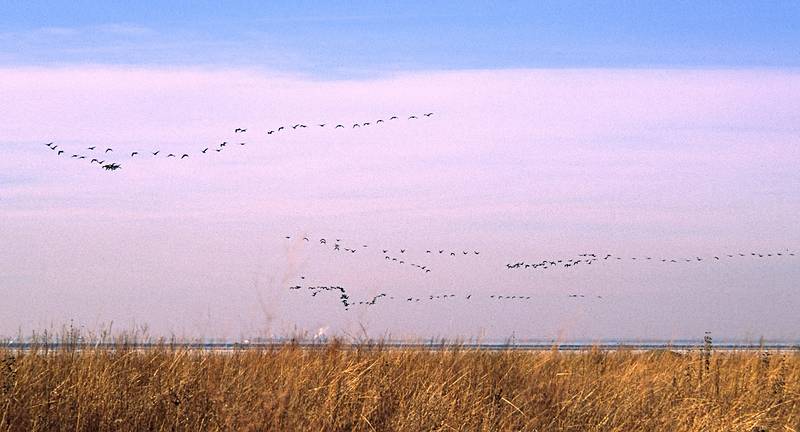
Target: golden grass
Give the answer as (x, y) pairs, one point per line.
(368, 388)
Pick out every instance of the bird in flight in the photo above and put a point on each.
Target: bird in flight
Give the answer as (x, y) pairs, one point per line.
(356, 125)
(339, 126)
(412, 117)
(134, 154)
(280, 128)
(60, 151)
(223, 144)
(91, 148)
(237, 130)
(155, 153)
(111, 167)
(270, 132)
(321, 125)
(204, 150)
(379, 121)
(109, 149)
(428, 114)
(184, 156)
(170, 155)
(393, 118)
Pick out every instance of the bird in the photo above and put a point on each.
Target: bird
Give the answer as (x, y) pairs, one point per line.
(155, 153)
(134, 154)
(393, 118)
(218, 150)
(223, 144)
(412, 117)
(402, 251)
(184, 156)
(60, 151)
(237, 130)
(204, 150)
(321, 125)
(93, 161)
(108, 150)
(379, 121)
(241, 143)
(366, 123)
(339, 126)
(295, 126)
(280, 128)
(356, 125)
(91, 148)
(170, 155)
(428, 114)
(270, 132)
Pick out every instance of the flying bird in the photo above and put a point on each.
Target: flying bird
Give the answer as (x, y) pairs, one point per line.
(339, 126)
(184, 156)
(134, 154)
(428, 114)
(412, 117)
(108, 150)
(91, 148)
(170, 155)
(393, 118)
(204, 150)
(60, 151)
(237, 130)
(155, 153)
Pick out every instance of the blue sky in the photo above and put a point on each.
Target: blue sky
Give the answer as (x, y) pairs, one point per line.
(350, 38)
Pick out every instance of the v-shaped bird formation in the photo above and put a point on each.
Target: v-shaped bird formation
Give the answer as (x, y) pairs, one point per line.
(108, 159)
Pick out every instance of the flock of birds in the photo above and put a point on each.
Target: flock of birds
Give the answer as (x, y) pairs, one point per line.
(589, 258)
(102, 156)
(404, 256)
(347, 302)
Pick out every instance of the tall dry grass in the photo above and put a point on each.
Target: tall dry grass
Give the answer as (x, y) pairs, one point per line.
(369, 388)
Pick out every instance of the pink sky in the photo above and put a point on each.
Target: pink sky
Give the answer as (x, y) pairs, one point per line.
(521, 164)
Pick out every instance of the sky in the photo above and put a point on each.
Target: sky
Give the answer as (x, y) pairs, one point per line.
(559, 128)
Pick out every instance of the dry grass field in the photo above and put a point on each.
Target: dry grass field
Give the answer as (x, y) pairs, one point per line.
(373, 388)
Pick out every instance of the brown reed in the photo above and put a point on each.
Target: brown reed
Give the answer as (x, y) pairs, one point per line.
(338, 387)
